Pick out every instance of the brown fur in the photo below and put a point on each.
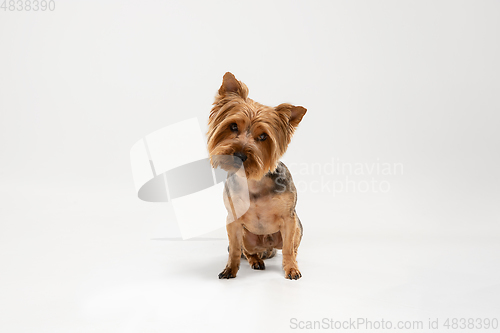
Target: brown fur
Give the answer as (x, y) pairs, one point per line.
(261, 137)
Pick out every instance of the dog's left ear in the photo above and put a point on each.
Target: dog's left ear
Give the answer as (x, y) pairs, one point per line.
(230, 85)
(295, 113)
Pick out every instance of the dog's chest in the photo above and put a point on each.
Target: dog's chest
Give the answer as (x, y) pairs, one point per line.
(262, 217)
(268, 206)
(267, 210)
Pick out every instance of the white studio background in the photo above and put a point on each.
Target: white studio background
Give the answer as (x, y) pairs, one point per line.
(407, 83)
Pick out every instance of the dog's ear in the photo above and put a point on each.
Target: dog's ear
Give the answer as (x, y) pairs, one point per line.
(230, 85)
(294, 113)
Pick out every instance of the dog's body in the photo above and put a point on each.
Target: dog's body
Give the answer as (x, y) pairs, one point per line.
(257, 136)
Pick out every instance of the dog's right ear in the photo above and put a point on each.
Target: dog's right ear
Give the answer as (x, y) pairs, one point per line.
(230, 85)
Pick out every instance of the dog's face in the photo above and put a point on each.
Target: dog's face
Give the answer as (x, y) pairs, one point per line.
(243, 131)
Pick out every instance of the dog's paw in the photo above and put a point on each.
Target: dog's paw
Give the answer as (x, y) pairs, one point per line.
(227, 273)
(292, 273)
(258, 265)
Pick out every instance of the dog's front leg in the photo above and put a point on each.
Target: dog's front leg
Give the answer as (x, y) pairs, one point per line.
(288, 231)
(235, 235)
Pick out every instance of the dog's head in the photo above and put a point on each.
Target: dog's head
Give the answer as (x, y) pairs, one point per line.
(243, 131)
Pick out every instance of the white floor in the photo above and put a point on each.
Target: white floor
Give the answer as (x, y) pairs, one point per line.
(79, 259)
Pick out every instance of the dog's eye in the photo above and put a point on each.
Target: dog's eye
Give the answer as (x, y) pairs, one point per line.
(262, 137)
(233, 127)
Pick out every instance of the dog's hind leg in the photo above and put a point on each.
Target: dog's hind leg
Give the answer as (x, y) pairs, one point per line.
(255, 260)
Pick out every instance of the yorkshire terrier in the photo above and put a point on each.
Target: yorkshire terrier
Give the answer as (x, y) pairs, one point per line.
(255, 136)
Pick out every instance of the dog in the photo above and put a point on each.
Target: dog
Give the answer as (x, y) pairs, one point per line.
(255, 136)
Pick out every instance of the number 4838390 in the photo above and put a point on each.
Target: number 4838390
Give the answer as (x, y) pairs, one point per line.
(28, 5)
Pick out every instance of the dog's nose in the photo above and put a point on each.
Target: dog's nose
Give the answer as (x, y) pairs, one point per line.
(241, 156)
